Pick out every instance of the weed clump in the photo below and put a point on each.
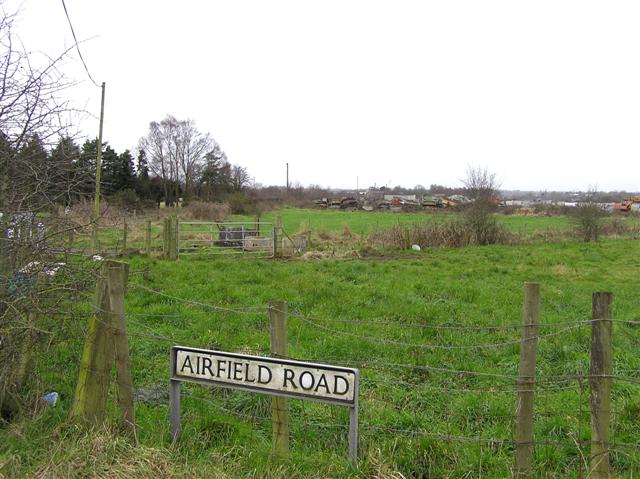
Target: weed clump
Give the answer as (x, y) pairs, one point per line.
(456, 233)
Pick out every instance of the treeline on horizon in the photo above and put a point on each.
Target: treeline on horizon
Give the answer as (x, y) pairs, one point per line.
(176, 161)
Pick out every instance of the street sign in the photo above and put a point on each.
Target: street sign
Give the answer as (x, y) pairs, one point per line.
(279, 377)
(273, 376)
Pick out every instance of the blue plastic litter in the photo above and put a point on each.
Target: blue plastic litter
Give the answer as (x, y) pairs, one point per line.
(51, 398)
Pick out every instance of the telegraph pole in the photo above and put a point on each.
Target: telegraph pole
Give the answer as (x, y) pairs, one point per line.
(287, 176)
(96, 212)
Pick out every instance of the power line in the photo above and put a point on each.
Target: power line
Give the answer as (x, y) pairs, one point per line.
(77, 45)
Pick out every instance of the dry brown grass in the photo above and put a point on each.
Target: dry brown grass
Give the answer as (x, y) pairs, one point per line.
(100, 453)
(452, 234)
(201, 210)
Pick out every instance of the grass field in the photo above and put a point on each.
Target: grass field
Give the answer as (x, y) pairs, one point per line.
(375, 313)
(335, 223)
(363, 222)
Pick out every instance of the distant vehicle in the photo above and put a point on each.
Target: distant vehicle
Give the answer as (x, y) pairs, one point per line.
(343, 203)
(627, 205)
(432, 202)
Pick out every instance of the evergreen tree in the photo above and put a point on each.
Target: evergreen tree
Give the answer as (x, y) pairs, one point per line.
(125, 174)
(61, 170)
(33, 158)
(85, 169)
(111, 171)
(143, 183)
(215, 179)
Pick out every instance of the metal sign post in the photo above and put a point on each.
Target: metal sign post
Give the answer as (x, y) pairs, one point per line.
(276, 377)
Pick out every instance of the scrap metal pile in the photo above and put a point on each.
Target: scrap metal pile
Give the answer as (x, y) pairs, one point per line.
(371, 202)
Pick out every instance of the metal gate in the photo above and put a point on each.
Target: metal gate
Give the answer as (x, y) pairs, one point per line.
(241, 237)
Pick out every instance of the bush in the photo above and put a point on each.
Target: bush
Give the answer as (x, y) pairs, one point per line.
(202, 210)
(240, 203)
(481, 225)
(126, 200)
(588, 218)
(451, 234)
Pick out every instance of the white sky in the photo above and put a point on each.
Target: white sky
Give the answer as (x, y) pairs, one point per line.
(545, 93)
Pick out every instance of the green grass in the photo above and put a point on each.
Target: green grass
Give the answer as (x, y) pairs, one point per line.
(331, 222)
(365, 310)
(363, 222)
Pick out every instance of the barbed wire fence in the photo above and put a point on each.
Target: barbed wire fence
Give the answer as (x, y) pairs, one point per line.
(423, 400)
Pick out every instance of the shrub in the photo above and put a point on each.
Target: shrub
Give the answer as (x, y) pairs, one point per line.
(452, 234)
(481, 225)
(126, 200)
(202, 210)
(588, 218)
(240, 203)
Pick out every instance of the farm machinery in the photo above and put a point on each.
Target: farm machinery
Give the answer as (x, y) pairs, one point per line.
(629, 204)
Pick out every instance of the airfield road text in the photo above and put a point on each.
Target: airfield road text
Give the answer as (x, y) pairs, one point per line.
(291, 378)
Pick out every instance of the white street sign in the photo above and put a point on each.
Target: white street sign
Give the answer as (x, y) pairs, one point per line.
(282, 377)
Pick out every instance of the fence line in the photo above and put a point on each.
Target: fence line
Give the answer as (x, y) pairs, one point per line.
(364, 363)
(245, 310)
(427, 346)
(541, 385)
(397, 321)
(427, 386)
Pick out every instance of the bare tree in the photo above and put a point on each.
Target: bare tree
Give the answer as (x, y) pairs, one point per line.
(33, 116)
(481, 186)
(239, 177)
(192, 146)
(177, 152)
(155, 147)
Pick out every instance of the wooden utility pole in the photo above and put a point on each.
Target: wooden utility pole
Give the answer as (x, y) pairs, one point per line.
(96, 210)
(287, 176)
(600, 379)
(279, 405)
(527, 381)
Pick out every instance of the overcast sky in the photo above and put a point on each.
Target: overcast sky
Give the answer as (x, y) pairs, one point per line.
(545, 93)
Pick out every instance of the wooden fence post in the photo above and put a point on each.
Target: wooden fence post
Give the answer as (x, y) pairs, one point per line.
(600, 379)
(97, 358)
(106, 341)
(147, 238)
(70, 237)
(125, 229)
(277, 236)
(527, 381)
(117, 282)
(170, 238)
(173, 238)
(165, 238)
(279, 405)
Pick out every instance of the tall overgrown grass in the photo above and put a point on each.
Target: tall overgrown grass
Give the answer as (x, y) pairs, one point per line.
(456, 233)
(472, 230)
